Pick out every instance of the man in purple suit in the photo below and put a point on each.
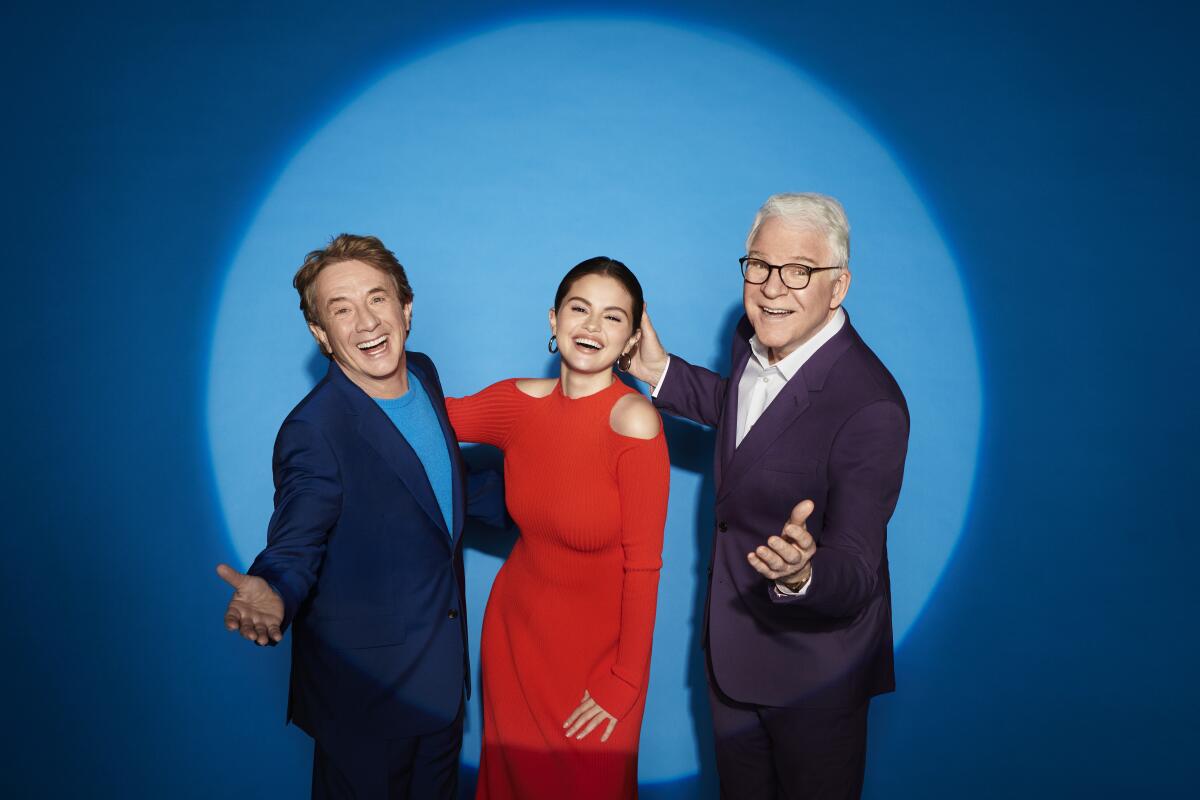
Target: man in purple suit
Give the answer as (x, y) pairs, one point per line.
(812, 433)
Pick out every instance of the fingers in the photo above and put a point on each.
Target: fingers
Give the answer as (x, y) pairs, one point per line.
(801, 512)
(650, 344)
(585, 705)
(256, 627)
(597, 718)
(787, 554)
(796, 528)
(255, 631)
(231, 575)
(779, 553)
(647, 327)
(762, 568)
(582, 718)
(589, 720)
(800, 538)
(770, 564)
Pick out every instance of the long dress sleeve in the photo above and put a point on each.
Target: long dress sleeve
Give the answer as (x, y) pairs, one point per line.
(643, 478)
(487, 417)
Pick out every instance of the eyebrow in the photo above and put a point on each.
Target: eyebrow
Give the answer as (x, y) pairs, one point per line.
(801, 260)
(343, 299)
(585, 302)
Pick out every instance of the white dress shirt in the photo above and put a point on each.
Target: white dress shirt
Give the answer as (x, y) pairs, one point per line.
(762, 382)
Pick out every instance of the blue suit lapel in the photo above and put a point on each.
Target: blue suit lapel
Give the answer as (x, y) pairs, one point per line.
(459, 503)
(381, 435)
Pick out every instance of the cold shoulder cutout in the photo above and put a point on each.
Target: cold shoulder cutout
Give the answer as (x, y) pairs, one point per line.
(536, 387)
(634, 416)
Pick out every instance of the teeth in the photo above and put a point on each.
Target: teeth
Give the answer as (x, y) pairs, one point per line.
(372, 343)
(775, 311)
(588, 343)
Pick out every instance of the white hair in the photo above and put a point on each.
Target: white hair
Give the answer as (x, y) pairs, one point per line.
(809, 211)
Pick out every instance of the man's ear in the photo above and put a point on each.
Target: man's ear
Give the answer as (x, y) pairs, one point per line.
(408, 317)
(318, 333)
(841, 285)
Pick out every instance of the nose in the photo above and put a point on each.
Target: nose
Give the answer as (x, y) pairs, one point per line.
(774, 287)
(368, 320)
(592, 323)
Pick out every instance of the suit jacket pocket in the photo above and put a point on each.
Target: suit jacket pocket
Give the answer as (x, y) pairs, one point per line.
(780, 462)
(349, 633)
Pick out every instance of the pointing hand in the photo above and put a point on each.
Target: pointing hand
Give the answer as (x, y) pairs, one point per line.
(786, 558)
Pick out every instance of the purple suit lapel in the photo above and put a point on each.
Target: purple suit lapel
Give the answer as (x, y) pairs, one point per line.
(727, 444)
(785, 409)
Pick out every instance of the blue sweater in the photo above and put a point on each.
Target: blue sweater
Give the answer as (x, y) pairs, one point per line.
(413, 415)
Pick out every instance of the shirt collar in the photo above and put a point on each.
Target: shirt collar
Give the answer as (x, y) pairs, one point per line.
(792, 363)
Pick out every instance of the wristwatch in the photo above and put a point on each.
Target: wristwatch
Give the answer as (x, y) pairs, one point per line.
(795, 587)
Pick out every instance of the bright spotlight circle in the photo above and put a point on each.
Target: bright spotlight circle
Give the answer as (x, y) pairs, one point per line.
(495, 163)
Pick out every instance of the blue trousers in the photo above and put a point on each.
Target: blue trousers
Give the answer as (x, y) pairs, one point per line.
(416, 767)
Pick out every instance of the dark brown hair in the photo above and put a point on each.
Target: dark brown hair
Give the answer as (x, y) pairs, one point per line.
(602, 265)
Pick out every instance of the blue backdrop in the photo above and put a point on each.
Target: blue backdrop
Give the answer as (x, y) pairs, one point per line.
(1020, 181)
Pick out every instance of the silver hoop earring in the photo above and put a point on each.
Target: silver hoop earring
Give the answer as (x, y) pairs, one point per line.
(552, 345)
(624, 362)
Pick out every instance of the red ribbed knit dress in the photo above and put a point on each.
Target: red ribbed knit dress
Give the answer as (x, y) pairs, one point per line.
(573, 606)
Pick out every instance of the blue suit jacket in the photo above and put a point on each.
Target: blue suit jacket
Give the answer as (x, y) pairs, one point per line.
(371, 579)
(836, 434)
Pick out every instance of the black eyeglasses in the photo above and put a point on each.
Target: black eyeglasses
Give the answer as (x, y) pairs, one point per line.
(794, 276)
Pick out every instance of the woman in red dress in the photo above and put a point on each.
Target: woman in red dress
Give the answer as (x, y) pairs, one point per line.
(569, 623)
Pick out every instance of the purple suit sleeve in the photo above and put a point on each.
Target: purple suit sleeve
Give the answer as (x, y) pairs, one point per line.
(308, 501)
(692, 392)
(866, 466)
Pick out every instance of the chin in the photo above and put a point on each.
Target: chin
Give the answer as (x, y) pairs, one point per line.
(381, 372)
(590, 366)
(774, 339)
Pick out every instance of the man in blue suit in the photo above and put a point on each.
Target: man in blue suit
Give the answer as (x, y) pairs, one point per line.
(364, 549)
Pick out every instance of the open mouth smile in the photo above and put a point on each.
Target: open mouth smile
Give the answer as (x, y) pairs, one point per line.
(585, 343)
(373, 346)
(777, 313)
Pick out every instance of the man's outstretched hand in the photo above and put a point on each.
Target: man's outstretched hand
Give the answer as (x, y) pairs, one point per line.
(255, 609)
(787, 558)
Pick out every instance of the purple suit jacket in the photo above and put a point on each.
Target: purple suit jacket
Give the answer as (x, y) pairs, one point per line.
(836, 434)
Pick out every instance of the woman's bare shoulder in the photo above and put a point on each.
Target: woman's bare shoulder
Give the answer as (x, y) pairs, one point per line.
(536, 387)
(635, 416)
